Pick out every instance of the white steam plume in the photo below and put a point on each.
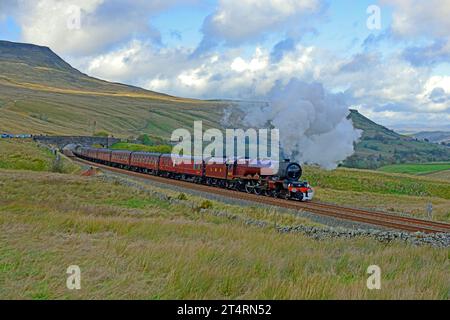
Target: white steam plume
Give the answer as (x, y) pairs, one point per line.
(313, 123)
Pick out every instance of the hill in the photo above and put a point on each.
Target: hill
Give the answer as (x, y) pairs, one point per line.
(380, 146)
(28, 65)
(42, 94)
(434, 136)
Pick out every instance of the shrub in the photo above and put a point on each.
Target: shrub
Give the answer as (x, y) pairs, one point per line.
(101, 134)
(182, 196)
(206, 204)
(57, 165)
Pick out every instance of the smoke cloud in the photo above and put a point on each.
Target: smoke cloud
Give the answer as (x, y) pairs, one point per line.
(313, 123)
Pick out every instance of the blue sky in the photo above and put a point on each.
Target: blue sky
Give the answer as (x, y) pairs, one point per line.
(398, 75)
(9, 30)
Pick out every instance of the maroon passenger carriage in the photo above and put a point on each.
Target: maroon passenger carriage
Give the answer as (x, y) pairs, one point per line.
(145, 162)
(104, 155)
(269, 178)
(121, 158)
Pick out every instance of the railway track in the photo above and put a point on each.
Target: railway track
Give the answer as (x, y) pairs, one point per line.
(375, 218)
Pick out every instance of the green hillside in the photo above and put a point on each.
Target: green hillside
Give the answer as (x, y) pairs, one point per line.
(417, 169)
(41, 94)
(28, 65)
(380, 146)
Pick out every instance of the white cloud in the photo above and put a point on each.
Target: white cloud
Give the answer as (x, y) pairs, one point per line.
(437, 93)
(379, 84)
(239, 21)
(410, 121)
(438, 81)
(138, 63)
(388, 79)
(258, 62)
(103, 23)
(402, 87)
(229, 74)
(424, 28)
(420, 18)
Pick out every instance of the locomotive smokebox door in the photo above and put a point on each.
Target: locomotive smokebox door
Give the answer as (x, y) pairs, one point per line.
(290, 170)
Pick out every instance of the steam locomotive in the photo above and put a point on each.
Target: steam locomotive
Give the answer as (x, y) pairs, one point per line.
(281, 180)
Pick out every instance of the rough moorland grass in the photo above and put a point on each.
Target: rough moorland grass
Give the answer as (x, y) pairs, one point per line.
(382, 191)
(21, 154)
(376, 182)
(417, 169)
(441, 175)
(413, 205)
(129, 244)
(36, 110)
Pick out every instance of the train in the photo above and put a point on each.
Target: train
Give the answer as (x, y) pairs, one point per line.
(241, 174)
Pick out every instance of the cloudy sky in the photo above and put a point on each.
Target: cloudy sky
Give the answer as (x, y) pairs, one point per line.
(395, 69)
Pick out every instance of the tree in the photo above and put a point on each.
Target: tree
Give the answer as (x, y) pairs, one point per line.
(101, 134)
(145, 139)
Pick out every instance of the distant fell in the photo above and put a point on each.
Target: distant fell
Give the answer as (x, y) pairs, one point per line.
(433, 136)
(40, 93)
(37, 67)
(380, 146)
(33, 56)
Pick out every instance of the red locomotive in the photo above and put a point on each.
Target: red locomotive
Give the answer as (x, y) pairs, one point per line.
(246, 175)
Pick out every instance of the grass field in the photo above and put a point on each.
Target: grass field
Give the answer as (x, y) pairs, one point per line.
(130, 244)
(381, 191)
(154, 243)
(26, 155)
(25, 110)
(417, 169)
(441, 175)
